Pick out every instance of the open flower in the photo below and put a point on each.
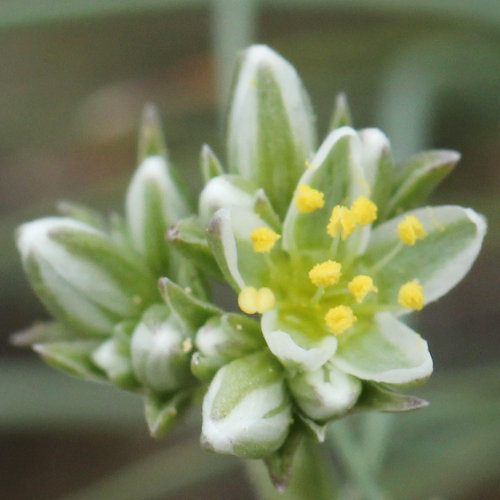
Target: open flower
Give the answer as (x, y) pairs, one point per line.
(332, 273)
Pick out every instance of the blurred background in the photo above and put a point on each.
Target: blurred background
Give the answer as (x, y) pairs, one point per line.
(74, 75)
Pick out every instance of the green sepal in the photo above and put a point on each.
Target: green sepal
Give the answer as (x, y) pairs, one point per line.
(263, 208)
(416, 178)
(151, 137)
(162, 412)
(188, 236)
(376, 397)
(210, 165)
(82, 213)
(341, 116)
(72, 357)
(191, 310)
(318, 431)
(41, 332)
(279, 464)
(203, 368)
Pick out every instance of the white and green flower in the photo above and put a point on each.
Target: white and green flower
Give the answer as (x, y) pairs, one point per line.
(332, 271)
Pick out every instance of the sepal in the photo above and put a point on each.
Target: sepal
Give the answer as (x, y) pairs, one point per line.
(210, 165)
(162, 412)
(378, 398)
(189, 309)
(341, 116)
(416, 178)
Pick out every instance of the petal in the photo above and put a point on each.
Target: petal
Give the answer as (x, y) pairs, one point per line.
(385, 350)
(229, 238)
(438, 262)
(293, 348)
(336, 171)
(325, 393)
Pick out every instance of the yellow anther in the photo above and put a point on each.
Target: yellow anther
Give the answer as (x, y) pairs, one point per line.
(341, 218)
(360, 286)
(339, 319)
(263, 239)
(253, 301)
(308, 199)
(411, 295)
(410, 229)
(325, 274)
(364, 210)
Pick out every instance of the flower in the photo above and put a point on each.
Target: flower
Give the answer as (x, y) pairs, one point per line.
(344, 255)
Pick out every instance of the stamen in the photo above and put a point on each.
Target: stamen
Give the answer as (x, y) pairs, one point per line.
(325, 274)
(411, 295)
(308, 199)
(251, 300)
(263, 239)
(360, 286)
(341, 218)
(339, 319)
(410, 229)
(364, 211)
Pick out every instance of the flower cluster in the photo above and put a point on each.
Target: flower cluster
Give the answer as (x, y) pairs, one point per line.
(324, 248)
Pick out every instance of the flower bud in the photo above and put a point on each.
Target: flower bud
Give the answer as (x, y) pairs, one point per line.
(225, 191)
(160, 351)
(154, 202)
(227, 337)
(325, 393)
(81, 275)
(246, 411)
(270, 125)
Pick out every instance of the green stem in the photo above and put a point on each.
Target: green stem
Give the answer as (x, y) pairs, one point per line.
(360, 471)
(352, 455)
(311, 476)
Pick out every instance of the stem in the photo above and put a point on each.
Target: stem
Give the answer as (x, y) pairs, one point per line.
(311, 476)
(361, 471)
